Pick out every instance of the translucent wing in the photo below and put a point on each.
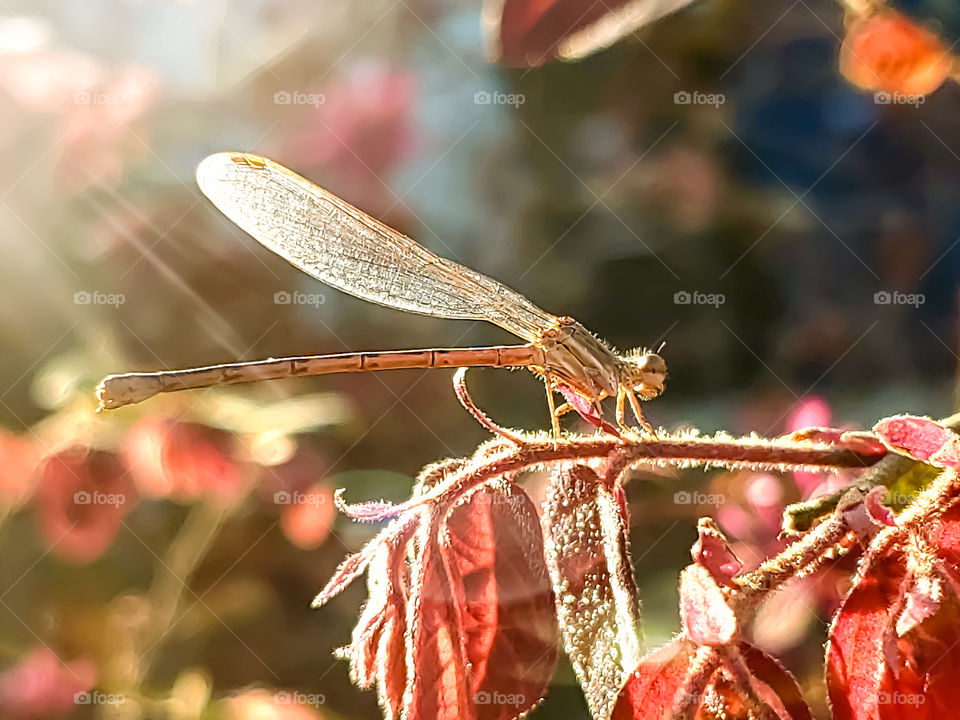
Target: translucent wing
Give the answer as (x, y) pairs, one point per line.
(349, 250)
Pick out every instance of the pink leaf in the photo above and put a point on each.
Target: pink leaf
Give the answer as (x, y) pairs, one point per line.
(922, 439)
(713, 552)
(707, 618)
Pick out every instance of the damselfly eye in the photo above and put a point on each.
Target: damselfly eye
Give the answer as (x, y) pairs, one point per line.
(649, 374)
(652, 363)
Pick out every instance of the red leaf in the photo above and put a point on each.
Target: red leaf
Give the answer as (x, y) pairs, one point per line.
(527, 33)
(436, 645)
(922, 439)
(481, 630)
(706, 617)
(879, 513)
(894, 649)
(676, 676)
(510, 623)
(857, 639)
(653, 687)
(348, 571)
(586, 530)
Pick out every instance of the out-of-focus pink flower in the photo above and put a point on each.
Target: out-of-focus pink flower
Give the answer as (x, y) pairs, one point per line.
(183, 461)
(18, 459)
(813, 412)
(46, 82)
(41, 685)
(93, 105)
(262, 704)
(750, 512)
(362, 130)
(307, 516)
(97, 134)
(82, 497)
(685, 185)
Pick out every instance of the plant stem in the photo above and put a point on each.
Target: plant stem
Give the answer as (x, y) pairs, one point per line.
(173, 572)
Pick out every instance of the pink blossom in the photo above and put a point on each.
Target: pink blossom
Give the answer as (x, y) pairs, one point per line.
(82, 498)
(260, 704)
(361, 131)
(18, 458)
(183, 461)
(308, 516)
(41, 685)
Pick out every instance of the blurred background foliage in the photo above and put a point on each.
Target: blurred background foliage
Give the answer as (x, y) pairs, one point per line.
(183, 583)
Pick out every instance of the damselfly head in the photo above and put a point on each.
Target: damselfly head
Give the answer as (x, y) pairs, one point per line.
(646, 372)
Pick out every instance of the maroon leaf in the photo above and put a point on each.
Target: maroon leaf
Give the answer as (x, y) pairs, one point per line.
(527, 33)
(436, 643)
(589, 560)
(774, 684)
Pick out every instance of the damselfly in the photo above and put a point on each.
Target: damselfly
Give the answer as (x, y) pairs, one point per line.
(351, 251)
